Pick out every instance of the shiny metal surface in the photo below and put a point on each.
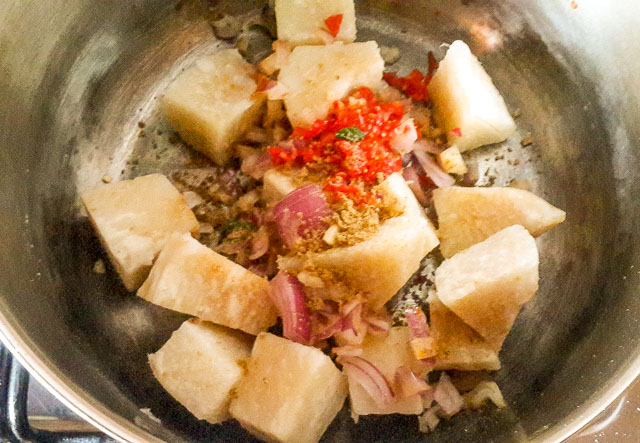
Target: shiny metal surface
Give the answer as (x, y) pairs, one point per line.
(78, 76)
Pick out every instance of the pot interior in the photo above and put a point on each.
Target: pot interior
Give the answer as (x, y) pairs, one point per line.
(79, 77)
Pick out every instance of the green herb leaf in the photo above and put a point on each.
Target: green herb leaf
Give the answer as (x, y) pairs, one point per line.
(235, 225)
(351, 134)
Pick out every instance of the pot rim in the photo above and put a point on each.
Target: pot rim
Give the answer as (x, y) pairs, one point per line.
(124, 430)
(102, 418)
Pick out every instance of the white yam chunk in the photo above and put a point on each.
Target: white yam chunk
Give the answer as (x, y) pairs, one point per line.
(188, 277)
(387, 353)
(467, 216)
(134, 219)
(465, 98)
(451, 161)
(291, 392)
(298, 21)
(458, 345)
(382, 264)
(200, 365)
(316, 76)
(211, 104)
(487, 284)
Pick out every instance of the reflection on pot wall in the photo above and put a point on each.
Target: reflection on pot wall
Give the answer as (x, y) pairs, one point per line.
(77, 77)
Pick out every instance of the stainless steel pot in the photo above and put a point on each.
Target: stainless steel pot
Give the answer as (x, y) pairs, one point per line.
(77, 76)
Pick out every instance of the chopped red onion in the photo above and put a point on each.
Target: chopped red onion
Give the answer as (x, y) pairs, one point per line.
(287, 295)
(407, 384)
(410, 175)
(347, 351)
(378, 324)
(417, 322)
(427, 146)
(405, 137)
(440, 178)
(373, 381)
(301, 213)
(354, 328)
(325, 324)
(447, 396)
(422, 344)
(259, 243)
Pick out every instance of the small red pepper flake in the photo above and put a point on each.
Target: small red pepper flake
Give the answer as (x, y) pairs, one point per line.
(457, 132)
(333, 24)
(574, 4)
(415, 84)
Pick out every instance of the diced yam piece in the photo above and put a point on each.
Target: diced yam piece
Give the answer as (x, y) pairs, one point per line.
(397, 248)
(387, 353)
(188, 277)
(467, 216)
(212, 104)
(451, 161)
(316, 76)
(458, 345)
(200, 365)
(298, 21)
(134, 219)
(487, 284)
(291, 392)
(466, 103)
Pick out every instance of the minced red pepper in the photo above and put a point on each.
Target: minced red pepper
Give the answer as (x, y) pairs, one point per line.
(353, 167)
(333, 24)
(415, 84)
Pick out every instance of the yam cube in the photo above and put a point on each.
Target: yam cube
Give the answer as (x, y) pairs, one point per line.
(451, 161)
(134, 219)
(467, 216)
(487, 284)
(316, 76)
(188, 277)
(212, 103)
(298, 21)
(467, 105)
(291, 392)
(387, 353)
(200, 365)
(392, 254)
(458, 345)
